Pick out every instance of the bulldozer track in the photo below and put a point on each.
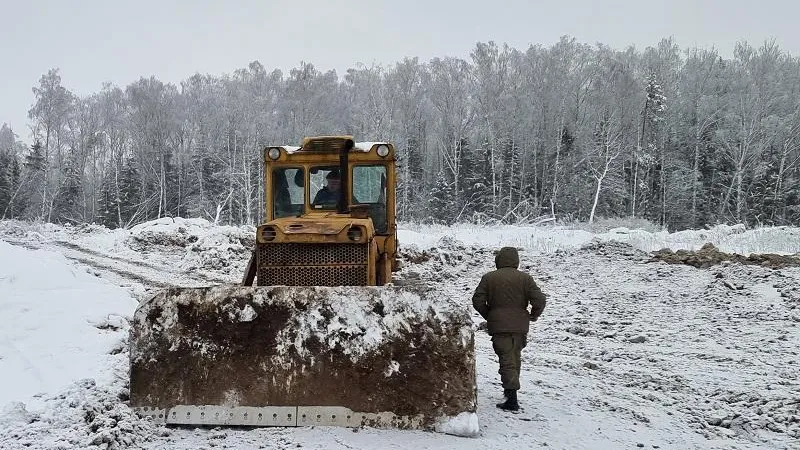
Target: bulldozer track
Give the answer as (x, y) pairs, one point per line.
(157, 267)
(140, 272)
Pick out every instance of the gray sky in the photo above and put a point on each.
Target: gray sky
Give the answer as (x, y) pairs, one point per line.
(118, 41)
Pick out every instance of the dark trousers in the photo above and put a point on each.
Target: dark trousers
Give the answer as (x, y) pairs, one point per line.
(508, 347)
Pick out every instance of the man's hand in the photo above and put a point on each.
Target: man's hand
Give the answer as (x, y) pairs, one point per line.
(532, 318)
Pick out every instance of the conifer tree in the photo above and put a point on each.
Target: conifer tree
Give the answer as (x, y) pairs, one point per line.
(108, 203)
(440, 205)
(6, 187)
(130, 200)
(35, 167)
(66, 204)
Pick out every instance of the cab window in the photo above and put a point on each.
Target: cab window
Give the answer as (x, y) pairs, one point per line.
(288, 195)
(369, 188)
(326, 184)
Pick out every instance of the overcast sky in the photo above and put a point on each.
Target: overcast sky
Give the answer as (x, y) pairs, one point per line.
(119, 41)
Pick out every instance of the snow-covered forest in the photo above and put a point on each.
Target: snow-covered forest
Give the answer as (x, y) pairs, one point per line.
(680, 137)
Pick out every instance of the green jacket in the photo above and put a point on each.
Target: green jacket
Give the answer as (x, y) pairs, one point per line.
(503, 295)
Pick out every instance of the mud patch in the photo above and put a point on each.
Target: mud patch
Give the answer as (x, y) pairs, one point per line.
(613, 249)
(709, 256)
(147, 239)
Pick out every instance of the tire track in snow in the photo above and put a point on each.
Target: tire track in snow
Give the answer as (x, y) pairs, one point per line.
(145, 275)
(159, 268)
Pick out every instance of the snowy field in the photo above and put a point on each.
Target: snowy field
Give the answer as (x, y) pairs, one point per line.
(629, 353)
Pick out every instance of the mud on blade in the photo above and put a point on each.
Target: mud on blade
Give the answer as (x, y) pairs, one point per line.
(379, 356)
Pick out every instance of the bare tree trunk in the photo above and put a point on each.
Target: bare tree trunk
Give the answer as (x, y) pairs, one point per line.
(406, 179)
(492, 165)
(555, 168)
(739, 194)
(599, 179)
(161, 191)
(639, 144)
(609, 155)
(534, 171)
(46, 172)
(788, 144)
(247, 187)
(13, 197)
(117, 193)
(635, 185)
(695, 176)
(635, 168)
(456, 163)
(231, 165)
(662, 179)
(94, 183)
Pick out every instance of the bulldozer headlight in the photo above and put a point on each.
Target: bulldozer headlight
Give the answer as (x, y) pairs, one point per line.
(274, 153)
(268, 233)
(355, 234)
(383, 150)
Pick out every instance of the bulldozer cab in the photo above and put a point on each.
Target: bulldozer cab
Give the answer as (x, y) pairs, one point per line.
(308, 180)
(329, 216)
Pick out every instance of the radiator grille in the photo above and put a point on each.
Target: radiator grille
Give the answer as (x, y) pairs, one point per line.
(313, 276)
(293, 264)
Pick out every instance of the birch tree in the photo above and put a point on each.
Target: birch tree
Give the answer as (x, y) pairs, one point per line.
(571, 131)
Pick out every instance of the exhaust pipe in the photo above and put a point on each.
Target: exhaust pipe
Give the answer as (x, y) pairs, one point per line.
(343, 205)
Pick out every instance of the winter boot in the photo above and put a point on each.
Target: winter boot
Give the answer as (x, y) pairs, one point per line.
(507, 392)
(511, 403)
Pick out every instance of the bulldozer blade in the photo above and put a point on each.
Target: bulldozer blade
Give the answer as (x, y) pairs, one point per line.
(381, 356)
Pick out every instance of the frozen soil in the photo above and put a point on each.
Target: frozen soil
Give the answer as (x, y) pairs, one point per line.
(709, 256)
(83, 416)
(630, 353)
(715, 348)
(712, 352)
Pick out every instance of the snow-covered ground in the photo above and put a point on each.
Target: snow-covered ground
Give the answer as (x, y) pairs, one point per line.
(628, 354)
(59, 323)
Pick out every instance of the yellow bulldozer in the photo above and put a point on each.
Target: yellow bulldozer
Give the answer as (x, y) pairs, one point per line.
(324, 337)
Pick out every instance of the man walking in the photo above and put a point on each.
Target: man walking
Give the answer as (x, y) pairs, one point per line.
(502, 298)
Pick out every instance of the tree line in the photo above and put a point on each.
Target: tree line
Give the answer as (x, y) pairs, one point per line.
(683, 138)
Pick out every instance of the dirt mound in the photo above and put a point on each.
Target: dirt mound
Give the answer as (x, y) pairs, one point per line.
(613, 248)
(147, 239)
(709, 256)
(445, 262)
(84, 416)
(413, 255)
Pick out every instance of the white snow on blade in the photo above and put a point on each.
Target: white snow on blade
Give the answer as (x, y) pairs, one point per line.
(354, 320)
(246, 314)
(231, 398)
(392, 368)
(58, 323)
(465, 424)
(354, 327)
